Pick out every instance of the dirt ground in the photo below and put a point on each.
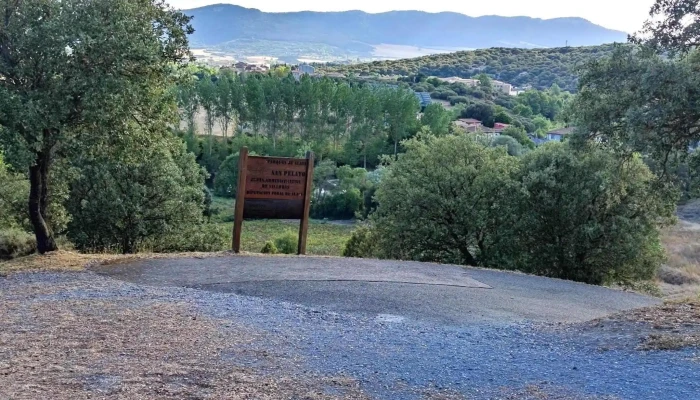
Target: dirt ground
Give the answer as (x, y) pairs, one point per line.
(127, 348)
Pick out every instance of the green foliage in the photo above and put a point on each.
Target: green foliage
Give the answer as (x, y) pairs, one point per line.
(343, 198)
(640, 102)
(362, 243)
(589, 216)
(16, 243)
(269, 248)
(519, 135)
(583, 215)
(14, 191)
(539, 68)
(437, 118)
(674, 26)
(445, 200)
(549, 103)
(69, 76)
(226, 180)
(512, 146)
(124, 197)
(287, 243)
(189, 238)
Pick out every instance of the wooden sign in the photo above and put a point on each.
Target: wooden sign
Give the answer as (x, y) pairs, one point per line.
(273, 188)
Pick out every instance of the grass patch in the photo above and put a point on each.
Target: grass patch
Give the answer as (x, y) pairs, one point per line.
(324, 238)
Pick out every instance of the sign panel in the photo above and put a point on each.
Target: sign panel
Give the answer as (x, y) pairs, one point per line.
(273, 188)
(276, 178)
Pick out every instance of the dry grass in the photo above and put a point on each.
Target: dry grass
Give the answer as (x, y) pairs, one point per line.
(64, 261)
(129, 349)
(680, 276)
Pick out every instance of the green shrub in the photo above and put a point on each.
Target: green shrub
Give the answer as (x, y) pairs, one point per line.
(287, 243)
(122, 200)
(16, 243)
(199, 238)
(362, 243)
(269, 248)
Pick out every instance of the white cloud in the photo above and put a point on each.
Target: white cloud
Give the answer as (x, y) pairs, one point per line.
(624, 15)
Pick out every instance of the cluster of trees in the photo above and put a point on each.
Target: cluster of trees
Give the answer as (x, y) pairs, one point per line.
(589, 210)
(535, 111)
(581, 214)
(329, 116)
(536, 68)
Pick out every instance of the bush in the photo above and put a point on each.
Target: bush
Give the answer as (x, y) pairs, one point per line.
(269, 248)
(362, 243)
(512, 146)
(288, 243)
(447, 199)
(139, 193)
(195, 238)
(589, 216)
(16, 243)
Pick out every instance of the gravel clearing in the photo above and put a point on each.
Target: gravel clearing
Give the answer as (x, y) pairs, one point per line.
(80, 335)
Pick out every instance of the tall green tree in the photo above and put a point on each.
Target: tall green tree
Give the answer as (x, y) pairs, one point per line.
(69, 68)
(224, 106)
(255, 102)
(207, 94)
(401, 108)
(437, 118)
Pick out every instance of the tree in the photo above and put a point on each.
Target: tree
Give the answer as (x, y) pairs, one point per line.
(638, 102)
(485, 83)
(224, 105)
(128, 192)
(483, 112)
(674, 25)
(400, 107)
(437, 119)
(519, 135)
(274, 107)
(447, 199)
(208, 100)
(513, 147)
(590, 216)
(69, 69)
(187, 99)
(255, 102)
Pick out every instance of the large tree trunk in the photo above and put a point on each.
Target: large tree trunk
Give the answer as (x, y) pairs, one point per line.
(39, 200)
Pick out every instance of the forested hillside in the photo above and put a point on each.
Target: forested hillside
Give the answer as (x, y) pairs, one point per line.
(539, 68)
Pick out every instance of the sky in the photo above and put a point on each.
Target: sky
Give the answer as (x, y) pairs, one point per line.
(624, 15)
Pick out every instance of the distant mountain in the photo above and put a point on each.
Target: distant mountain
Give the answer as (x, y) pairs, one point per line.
(357, 32)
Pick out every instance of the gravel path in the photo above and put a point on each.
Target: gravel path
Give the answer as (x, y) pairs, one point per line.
(170, 342)
(443, 294)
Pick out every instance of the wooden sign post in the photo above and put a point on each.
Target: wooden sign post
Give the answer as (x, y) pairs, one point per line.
(273, 188)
